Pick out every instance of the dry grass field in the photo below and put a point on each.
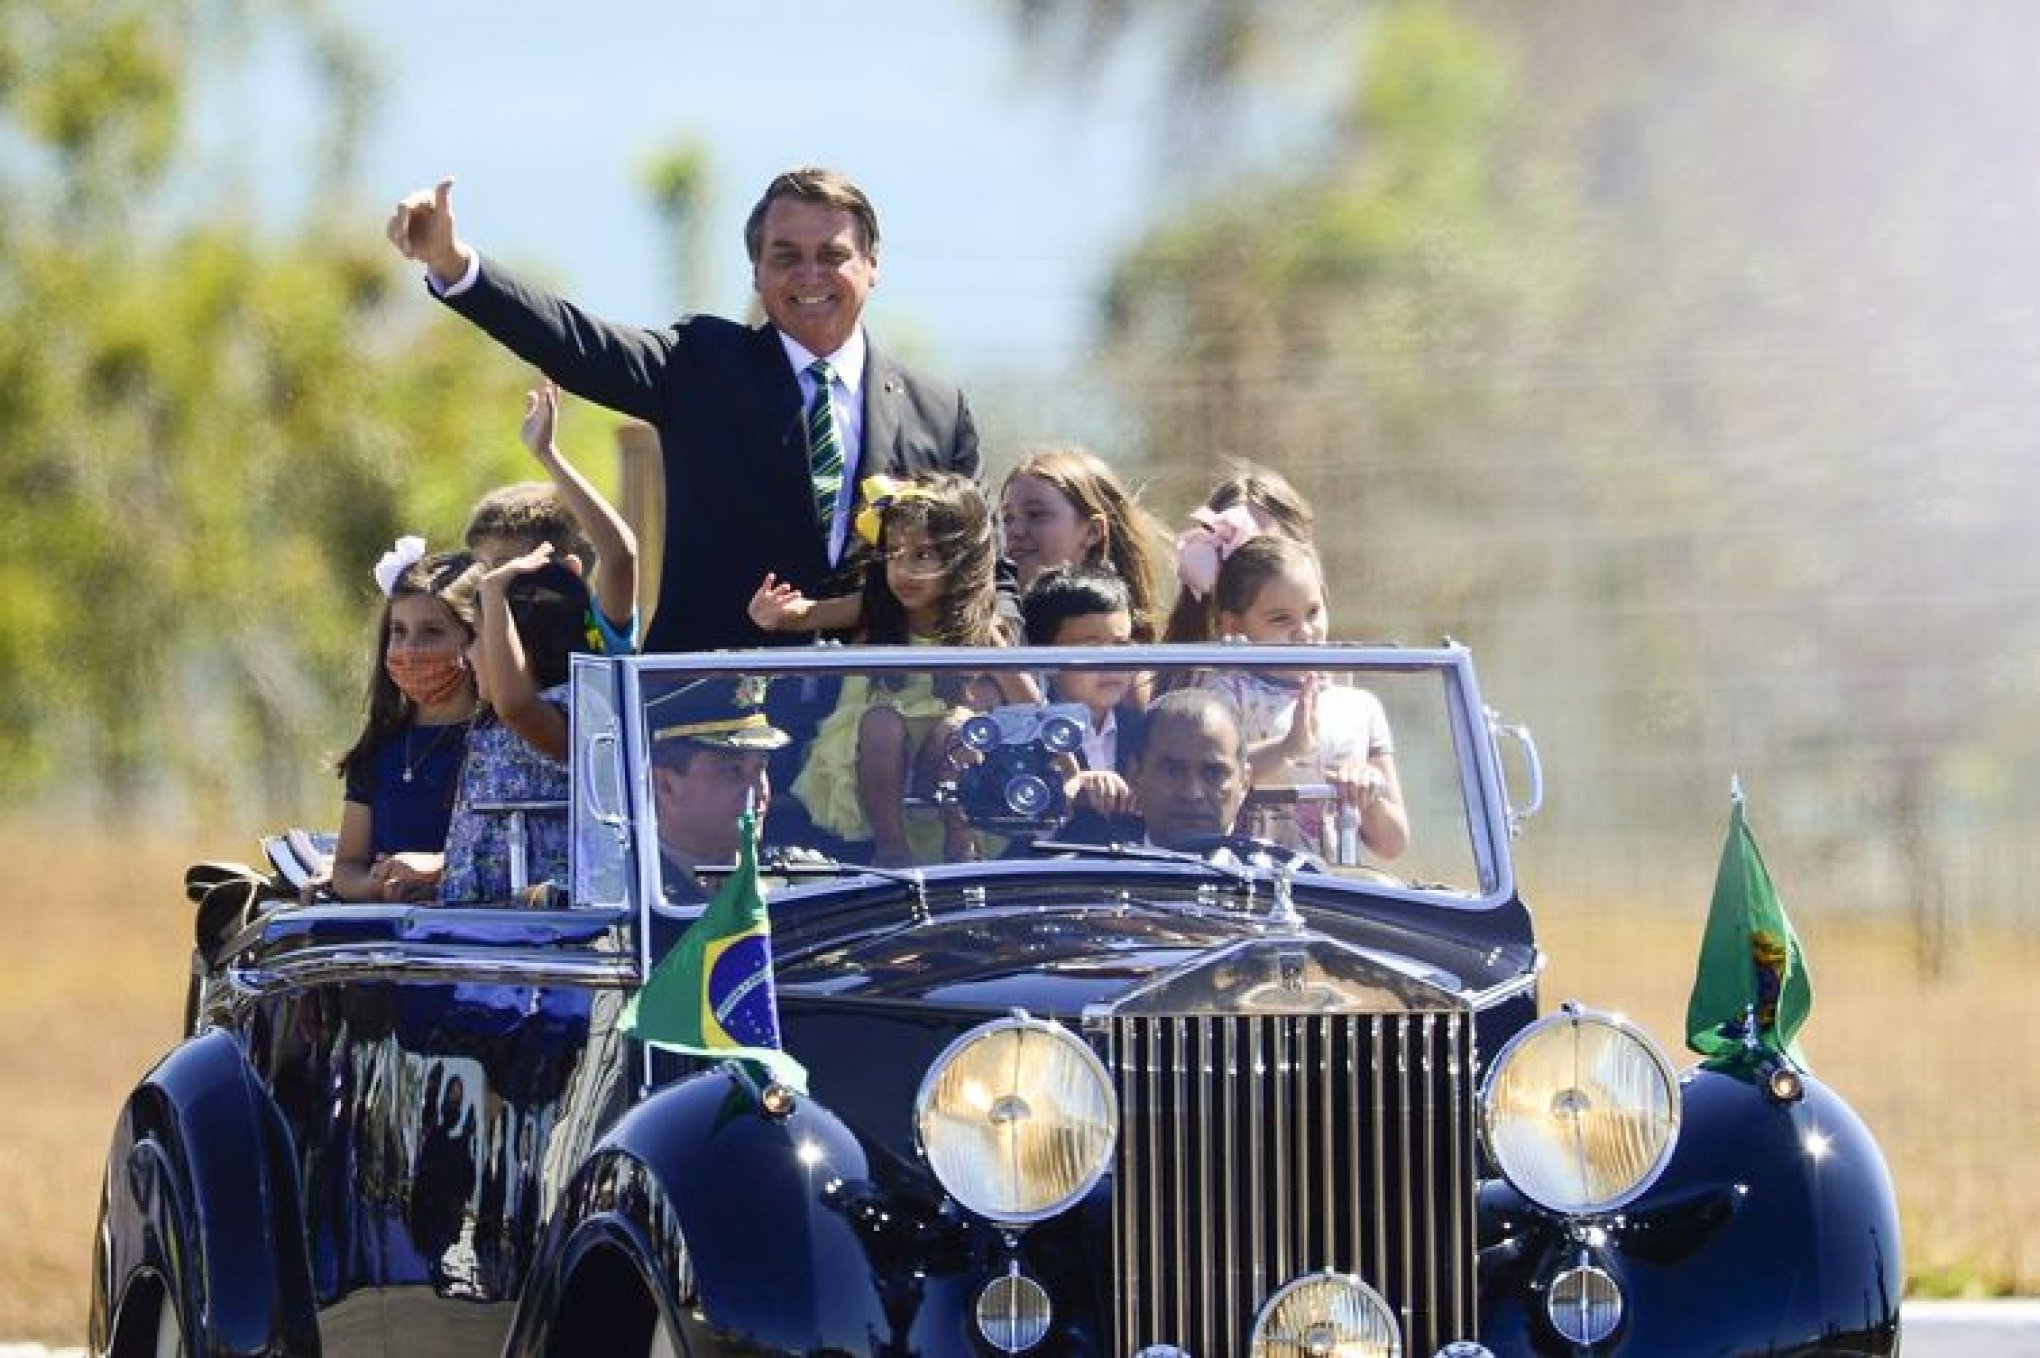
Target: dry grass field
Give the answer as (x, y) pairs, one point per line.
(1945, 1074)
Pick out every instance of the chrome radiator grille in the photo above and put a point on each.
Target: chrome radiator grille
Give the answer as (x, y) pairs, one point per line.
(1257, 1148)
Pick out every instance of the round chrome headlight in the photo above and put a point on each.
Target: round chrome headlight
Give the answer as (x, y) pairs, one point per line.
(1326, 1314)
(1017, 1119)
(1580, 1112)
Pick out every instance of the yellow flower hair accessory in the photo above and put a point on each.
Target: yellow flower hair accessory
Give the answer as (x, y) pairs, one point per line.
(881, 493)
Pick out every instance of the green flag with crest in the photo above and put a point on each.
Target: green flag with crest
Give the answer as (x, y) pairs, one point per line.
(1752, 992)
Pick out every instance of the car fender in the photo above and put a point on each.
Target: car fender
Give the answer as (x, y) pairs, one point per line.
(734, 1220)
(1773, 1229)
(199, 1197)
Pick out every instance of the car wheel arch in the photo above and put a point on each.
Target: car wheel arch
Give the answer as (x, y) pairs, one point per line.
(595, 1289)
(201, 1196)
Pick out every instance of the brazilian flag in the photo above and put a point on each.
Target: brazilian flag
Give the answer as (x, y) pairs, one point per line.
(1752, 991)
(712, 994)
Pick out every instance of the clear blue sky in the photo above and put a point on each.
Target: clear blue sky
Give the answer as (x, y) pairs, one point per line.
(1003, 195)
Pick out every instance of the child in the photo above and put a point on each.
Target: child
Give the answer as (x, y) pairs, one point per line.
(400, 773)
(571, 515)
(932, 584)
(1266, 494)
(1300, 729)
(1251, 501)
(1063, 507)
(1089, 606)
(533, 617)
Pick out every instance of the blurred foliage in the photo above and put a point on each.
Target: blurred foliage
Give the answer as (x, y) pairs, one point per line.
(1679, 357)
(679, 180)
(210, 433)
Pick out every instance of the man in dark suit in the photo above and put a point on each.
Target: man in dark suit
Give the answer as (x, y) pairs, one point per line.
(763, 449)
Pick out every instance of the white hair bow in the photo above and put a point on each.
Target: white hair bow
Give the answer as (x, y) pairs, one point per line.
(408, 552)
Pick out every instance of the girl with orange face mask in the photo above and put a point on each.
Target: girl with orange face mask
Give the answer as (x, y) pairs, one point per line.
(404, 767)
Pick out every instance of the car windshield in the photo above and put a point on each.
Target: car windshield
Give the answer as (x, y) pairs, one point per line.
(1356, 763)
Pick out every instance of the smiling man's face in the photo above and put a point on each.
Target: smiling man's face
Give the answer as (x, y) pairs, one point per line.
(813, 273)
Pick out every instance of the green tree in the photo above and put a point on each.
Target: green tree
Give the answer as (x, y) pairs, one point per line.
(210, 433)
(679, 180)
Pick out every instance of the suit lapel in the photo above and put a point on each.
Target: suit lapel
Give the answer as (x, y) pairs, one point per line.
(883, 386)
(779, 388)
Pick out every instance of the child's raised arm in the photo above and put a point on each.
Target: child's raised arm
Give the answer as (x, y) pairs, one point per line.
(615, 580)
(777, 606)
(506, 677)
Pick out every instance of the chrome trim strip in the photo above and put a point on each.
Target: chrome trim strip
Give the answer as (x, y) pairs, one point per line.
(1178, 1056)
(1282, 1094)
(1431, 1148)
(1504, 990)
(1126, 1245)
(1356, 1214)
(1376, 1048)
(1257, 1160)
(1405, 1185)
(1327, 1081)
(417, 963)
(1458, 1079)
(1154, 1174)
(1229, 1088)
(1450, 659)
(1205, 1318)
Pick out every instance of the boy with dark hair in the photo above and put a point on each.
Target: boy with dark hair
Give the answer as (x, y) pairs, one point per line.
(1090, 606)
(581, 525)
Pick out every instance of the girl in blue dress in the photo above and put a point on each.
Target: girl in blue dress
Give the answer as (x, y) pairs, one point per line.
(401, 771)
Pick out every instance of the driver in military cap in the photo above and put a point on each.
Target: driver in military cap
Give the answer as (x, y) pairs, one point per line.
(710, 742)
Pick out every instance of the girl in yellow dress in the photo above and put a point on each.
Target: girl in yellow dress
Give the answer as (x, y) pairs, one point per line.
(931, 581)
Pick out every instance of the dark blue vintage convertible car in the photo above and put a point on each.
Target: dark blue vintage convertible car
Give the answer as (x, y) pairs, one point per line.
(1073, 1086)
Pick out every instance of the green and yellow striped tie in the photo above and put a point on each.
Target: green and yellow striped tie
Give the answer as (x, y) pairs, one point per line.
(825, 445)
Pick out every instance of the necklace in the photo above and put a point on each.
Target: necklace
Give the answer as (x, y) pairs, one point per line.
(411, 766)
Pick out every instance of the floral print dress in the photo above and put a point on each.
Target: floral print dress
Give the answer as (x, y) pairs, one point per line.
(502, 767)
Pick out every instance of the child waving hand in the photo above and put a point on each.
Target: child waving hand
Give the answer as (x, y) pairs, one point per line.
(932, 582)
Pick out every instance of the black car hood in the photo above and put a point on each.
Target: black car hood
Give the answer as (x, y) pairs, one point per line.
(1067, 948)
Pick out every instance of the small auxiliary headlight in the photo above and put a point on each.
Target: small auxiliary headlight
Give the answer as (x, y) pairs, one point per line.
(1018, 1119)
(1324, 1314)
(1584, 1304)
(1580, 1112)
(1013, 1313)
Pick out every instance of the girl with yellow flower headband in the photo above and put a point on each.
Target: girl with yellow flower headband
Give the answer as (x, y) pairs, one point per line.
(930, 581)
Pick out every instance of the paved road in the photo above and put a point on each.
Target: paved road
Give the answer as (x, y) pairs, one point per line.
(1933, 1329)
(1973, 1329)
